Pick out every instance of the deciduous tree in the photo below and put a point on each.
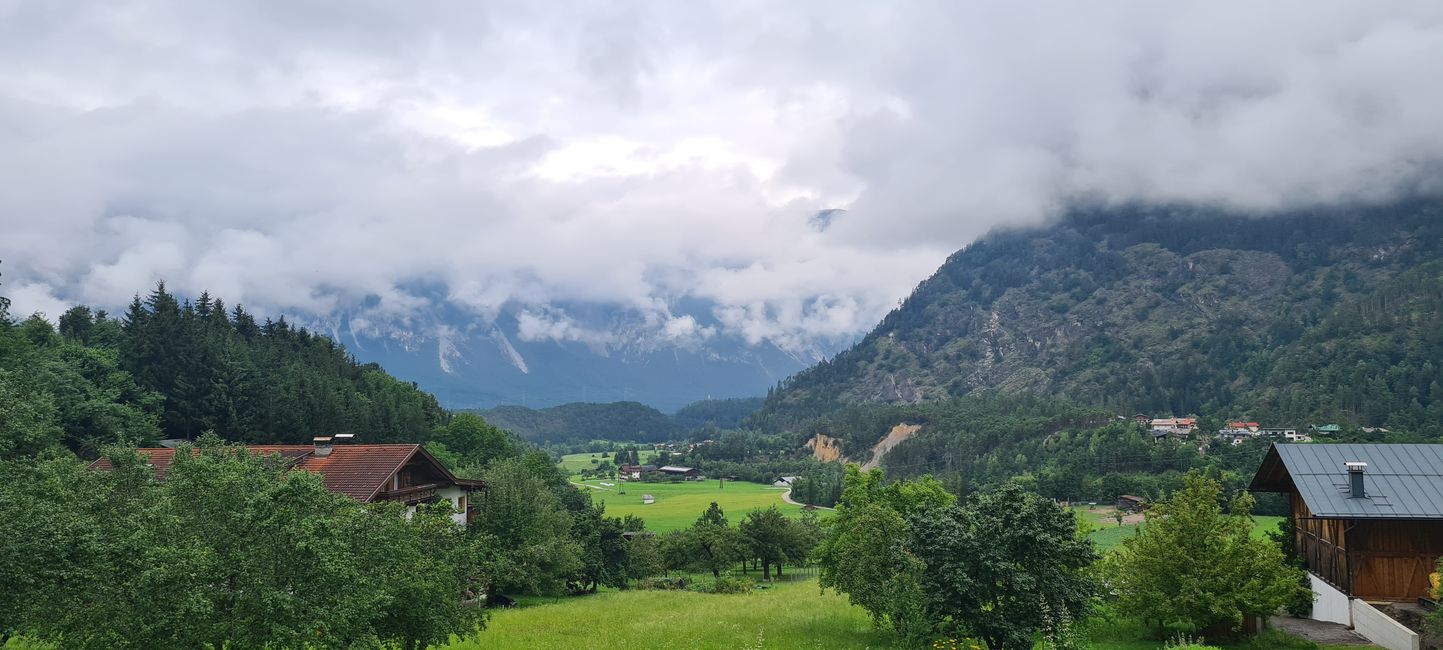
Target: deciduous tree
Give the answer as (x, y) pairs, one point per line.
(1191, 566)
(1002, 566)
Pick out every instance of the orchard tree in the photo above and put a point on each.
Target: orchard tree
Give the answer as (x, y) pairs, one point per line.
(863, 553)
(713, 516)
(644, 557)
(766, 533)
(603, 550)
(1191, 566)
(1003, 566)
(714, 544)
(530, 526)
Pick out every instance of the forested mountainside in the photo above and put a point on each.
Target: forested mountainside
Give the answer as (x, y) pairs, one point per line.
(173, 369)
(1331, 315)
(619, 421)
(580, 421)
(718, 413)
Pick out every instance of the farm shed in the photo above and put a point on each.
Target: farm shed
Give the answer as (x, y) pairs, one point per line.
(1130, 503)
(690, 473)
(1368, 517)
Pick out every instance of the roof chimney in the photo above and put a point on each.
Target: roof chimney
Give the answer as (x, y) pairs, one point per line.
(1355, 479)
(323, 445)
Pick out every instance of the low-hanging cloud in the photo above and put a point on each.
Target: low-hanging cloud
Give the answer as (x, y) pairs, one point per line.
(326, 156)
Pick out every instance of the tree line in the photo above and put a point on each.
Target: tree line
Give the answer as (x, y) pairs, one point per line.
(169, 368)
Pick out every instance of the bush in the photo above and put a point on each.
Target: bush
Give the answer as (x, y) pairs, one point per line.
(662, 584)
(1184, 642)
(725, 585)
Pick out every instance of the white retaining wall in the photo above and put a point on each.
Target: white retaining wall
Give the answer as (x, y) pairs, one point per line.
(1329, 604)
(1377, 627)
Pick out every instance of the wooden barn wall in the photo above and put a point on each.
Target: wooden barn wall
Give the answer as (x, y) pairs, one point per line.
(1323, 543)
(1392, 559)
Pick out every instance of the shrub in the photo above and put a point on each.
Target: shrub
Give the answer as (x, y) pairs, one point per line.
(662, 584)
(725, 585)
(1185, 642)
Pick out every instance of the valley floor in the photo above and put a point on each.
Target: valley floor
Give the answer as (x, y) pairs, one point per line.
(677, 505)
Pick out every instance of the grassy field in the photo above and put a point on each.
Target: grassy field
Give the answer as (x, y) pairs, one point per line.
(576, 462)
(679, 504)
(789, 615)
(1108, 535)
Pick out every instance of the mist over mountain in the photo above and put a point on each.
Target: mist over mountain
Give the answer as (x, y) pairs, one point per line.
(578, 353)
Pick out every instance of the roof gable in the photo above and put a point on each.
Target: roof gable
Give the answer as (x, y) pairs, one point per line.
(1403, 481)
(357, 471)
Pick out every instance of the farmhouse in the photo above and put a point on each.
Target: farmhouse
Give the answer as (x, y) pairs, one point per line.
(690, 473)
(1368, 520)
(405, 473)
(634, 471)
(785, 481)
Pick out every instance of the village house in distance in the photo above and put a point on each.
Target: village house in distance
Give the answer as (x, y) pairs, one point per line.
(366, 473)
(1368, 520)
(636, 472)
(1234, 432)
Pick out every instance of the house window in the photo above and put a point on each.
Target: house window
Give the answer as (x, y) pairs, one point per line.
(461, 503)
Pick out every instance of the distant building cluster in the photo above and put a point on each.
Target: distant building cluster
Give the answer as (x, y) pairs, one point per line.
(1235, 432)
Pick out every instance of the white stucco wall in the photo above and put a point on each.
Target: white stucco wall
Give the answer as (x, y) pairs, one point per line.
(453, 494)
(1329, 604)
(1377, 627)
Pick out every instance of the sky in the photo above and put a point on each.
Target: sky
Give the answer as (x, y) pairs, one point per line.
(797, 167)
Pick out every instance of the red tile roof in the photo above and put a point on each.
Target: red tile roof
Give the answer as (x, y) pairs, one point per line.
(357, 471)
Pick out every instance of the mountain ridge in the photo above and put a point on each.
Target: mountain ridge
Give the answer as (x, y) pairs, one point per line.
(1162, 310)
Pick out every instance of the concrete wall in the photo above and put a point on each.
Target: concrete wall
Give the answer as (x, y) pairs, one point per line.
(1377, 627)
(1329, 604)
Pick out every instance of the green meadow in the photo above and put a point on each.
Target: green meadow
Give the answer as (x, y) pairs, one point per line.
(788, 615)
(1108, 535)
(679, 504)
(576, 462)
(794, 614)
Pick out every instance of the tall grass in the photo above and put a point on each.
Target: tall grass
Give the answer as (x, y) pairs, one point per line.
(787, 615)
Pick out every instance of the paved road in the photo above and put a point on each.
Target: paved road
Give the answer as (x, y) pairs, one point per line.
(1319, 631)
(787, 496)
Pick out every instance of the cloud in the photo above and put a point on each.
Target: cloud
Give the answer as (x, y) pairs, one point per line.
(380, 158)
